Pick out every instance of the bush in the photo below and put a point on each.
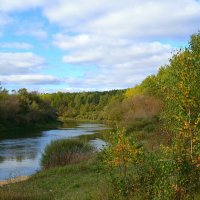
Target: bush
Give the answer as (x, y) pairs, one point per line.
(65, 151)
(118, 159)
(166, 175)
(147, 125)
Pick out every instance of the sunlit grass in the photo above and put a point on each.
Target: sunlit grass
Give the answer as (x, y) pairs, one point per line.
(72, 182)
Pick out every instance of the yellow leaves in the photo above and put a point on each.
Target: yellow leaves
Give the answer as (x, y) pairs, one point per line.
(197, 121)
(194, 140)
(186, 125)
(121, 152)
(131, 92)
(196, 162)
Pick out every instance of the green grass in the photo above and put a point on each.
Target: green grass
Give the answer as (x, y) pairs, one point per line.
(65, 151)
(82, 181)
(73, 182)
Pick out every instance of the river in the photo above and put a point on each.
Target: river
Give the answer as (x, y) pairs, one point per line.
(20, 156)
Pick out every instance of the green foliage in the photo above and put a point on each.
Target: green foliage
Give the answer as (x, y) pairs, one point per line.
(131, 92)
(146, 125)
(164, 175)
(149, 86)
(172, 172)
(24, 109)
(118, 158)
(84, 105)
(65, 151)
(182, 101)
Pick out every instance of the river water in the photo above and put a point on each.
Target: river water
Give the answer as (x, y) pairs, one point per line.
(21, 156)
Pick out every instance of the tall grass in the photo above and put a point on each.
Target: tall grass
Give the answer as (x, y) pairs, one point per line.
(14, 195)
(65, 151)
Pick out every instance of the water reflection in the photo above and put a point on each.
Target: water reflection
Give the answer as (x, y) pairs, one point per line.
(21, 156)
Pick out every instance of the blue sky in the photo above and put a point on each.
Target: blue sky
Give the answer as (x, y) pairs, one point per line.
(84, 45)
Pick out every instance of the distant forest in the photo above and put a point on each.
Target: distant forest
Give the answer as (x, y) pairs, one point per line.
(23, 108)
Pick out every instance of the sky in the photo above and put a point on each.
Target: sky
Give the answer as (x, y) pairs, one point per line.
(90, 45)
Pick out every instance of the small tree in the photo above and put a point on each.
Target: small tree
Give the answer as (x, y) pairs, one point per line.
(119, 157)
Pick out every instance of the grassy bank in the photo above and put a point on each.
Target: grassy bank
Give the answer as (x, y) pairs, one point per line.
(72, 182)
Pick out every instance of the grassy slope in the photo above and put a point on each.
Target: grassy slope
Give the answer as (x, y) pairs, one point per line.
(73, 182)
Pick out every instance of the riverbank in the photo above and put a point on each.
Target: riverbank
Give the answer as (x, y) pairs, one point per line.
(14, 180)
(81, 181)
(84, 120)
(71, 182)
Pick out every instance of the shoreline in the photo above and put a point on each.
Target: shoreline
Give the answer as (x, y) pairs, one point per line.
(13, 180)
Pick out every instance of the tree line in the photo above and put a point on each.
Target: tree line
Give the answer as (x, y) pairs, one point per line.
(23, 108)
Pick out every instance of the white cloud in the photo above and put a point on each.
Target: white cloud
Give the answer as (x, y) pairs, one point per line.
(20, 63)
(115, 77)
(85, 41)
(120, 42)
(23, 26)
(69, 42)
(70, 13)
(120, 63)
(127, 18)
(18, 5)
(22, 69)
(108, 55)
(120, 39)
(16, 45)
(33, 79)
(149, 19)
(34, 31)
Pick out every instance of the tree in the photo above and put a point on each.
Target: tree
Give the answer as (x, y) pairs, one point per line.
(182, 115)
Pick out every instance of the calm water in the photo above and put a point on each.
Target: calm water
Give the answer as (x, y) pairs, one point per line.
(21, 156)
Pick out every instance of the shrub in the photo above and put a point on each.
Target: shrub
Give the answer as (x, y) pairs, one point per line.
(65, 151)
(166, 175)
(118, 158)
